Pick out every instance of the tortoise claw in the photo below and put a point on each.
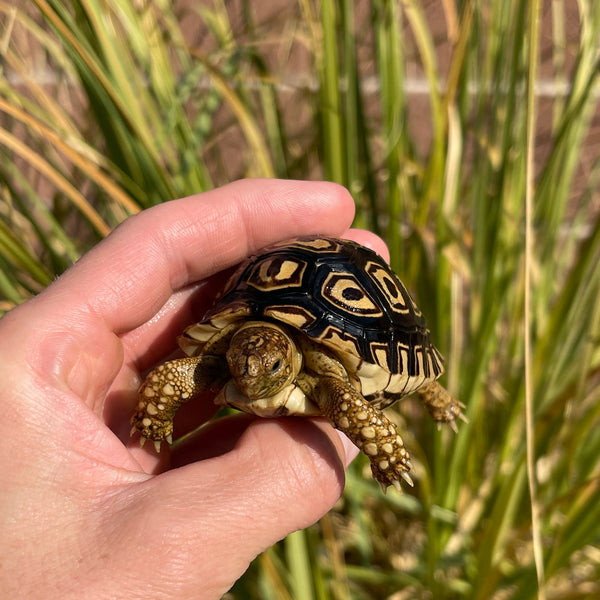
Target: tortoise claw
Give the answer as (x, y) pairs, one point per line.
(396, 482)
(407, 478)
(157, 443)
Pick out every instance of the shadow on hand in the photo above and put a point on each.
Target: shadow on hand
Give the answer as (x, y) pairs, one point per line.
(222, 435)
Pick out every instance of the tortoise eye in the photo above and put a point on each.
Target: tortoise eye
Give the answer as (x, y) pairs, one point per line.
(276, 366)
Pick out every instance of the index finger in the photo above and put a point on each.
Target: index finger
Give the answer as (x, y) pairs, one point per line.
(131, 274)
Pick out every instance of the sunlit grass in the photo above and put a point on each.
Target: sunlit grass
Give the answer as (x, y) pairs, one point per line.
(137, 114)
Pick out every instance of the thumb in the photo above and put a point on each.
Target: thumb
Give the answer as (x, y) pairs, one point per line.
(209, 519)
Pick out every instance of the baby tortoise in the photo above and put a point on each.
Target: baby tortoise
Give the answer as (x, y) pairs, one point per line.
(310, 326)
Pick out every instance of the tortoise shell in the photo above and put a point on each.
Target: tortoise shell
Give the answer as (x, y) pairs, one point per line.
(339, 294)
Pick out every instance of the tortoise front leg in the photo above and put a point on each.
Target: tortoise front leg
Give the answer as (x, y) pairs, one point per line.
(167, 387)
(368, 428)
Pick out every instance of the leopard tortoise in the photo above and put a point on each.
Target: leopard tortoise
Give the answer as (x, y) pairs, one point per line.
(310, 326)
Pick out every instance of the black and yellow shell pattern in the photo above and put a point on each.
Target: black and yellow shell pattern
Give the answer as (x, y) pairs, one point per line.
(343, 296)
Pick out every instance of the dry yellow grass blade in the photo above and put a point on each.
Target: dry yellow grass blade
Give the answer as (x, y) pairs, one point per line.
(57, 179)
(78, 158)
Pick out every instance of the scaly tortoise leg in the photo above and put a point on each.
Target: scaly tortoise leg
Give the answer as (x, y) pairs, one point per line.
(167, 387)
(327, 384)
(368, 428)
(442, 407)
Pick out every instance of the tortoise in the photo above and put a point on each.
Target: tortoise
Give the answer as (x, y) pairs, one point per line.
(310, 326)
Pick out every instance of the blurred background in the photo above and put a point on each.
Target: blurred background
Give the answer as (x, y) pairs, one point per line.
(469, 135)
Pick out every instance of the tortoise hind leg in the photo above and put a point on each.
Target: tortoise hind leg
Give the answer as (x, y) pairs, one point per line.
(167, 387)
(442, 407)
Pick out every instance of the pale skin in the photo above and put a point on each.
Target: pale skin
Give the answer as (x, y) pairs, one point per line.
(84, 511)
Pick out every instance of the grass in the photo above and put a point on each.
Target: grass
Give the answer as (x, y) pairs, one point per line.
(497, 234)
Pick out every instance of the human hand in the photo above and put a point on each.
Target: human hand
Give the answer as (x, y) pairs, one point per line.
(84, 511)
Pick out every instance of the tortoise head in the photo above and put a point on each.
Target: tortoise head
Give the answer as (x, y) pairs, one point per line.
(263, 359)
